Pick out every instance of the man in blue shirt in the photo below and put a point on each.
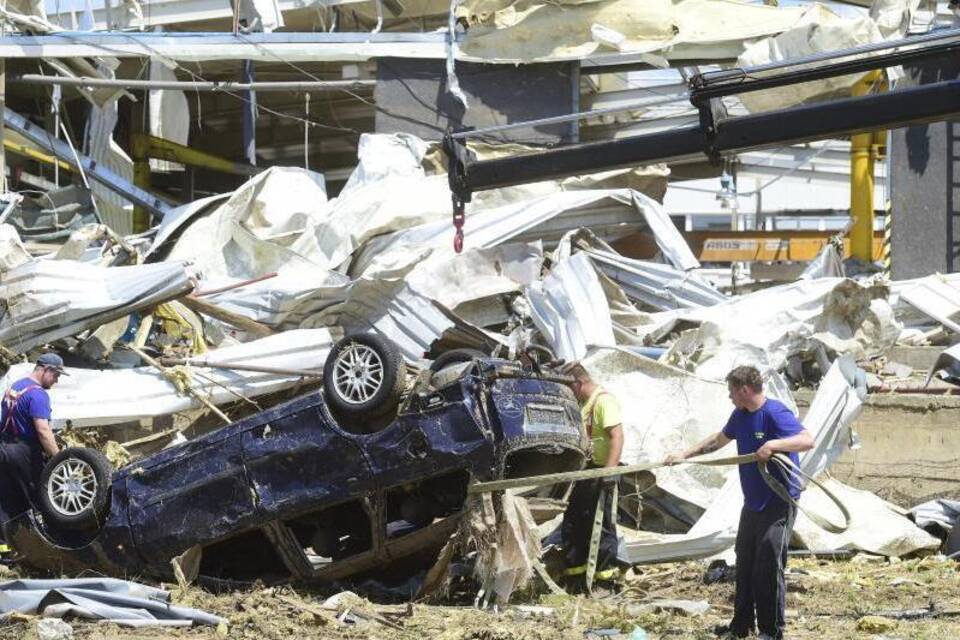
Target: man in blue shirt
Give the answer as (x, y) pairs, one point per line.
(763, 426)
(25, 435)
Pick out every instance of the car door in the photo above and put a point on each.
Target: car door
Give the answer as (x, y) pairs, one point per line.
(298, 460)
(440, 433)
(191, 494)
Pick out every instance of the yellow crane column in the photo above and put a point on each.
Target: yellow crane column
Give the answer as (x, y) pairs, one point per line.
(864, 151)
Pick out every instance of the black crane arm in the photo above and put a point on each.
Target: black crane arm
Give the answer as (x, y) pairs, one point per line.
(714, 136)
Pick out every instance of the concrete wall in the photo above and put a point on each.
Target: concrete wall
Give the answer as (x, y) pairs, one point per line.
(910, 449)
(412, 97)
(925, 187)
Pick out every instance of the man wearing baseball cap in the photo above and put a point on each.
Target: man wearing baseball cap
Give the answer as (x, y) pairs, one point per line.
(25, 435)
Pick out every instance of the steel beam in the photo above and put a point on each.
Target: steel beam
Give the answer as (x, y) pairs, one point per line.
(39, 136)
(774, 128)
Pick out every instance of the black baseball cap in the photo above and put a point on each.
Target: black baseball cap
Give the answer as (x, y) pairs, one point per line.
(52, 361)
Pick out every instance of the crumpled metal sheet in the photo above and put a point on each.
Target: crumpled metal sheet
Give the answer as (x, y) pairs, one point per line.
(827, 264)
(46, 300)
(942, 513)
(570, 309)
(12, 252)
(658, 286)
(390, 307)
(541, 217)
(91, 398)
(98, 599)
(936, 297)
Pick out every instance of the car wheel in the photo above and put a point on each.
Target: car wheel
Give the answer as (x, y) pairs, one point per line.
(455, 356)
(364, 376)
(75, 489)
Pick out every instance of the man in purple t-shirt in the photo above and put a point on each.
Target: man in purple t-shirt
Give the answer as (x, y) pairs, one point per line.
(763, 426)
(25, 435)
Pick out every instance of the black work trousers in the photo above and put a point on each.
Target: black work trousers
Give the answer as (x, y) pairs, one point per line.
(21, 464)
(578, 525)
(762, 540)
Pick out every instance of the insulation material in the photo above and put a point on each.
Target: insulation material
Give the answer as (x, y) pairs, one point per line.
(764, 328)
(51, 299)
(570, 309)
(818, 31)
(169, 113)
(90, 398)
(676, 29)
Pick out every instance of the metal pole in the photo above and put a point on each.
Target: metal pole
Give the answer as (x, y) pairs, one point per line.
(3, 107)
(249, 115)
(191, 85)
(57, 95)
(236, 366)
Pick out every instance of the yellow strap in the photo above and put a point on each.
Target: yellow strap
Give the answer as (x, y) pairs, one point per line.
(604, 472)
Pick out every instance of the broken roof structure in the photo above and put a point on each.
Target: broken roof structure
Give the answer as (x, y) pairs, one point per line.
(223, 237)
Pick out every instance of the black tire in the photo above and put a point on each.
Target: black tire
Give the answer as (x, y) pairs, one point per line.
(87, 510)
(365, 400)
(455, 356)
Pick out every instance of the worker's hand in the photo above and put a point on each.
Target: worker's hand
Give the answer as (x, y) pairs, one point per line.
(674, 458)
(765, 452)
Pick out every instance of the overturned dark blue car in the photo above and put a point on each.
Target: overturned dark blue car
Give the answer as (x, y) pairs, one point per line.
(367, 472)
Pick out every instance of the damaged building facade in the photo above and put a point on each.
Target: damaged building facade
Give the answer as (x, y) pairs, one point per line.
(315, 267)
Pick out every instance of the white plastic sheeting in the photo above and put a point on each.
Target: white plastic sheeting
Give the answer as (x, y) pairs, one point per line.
(827, 264)
(107, 599)
(90, 398)
(943, 513)
(51, 299)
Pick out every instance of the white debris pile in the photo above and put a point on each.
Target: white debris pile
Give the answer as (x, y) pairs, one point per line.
(271, 275)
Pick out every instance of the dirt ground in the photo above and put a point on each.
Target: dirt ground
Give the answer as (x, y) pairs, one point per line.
(826, 600)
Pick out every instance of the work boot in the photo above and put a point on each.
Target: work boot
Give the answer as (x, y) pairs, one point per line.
(726, 632)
